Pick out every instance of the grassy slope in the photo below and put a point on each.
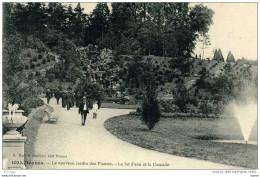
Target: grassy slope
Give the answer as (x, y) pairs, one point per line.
(34, 53)
(178, 137)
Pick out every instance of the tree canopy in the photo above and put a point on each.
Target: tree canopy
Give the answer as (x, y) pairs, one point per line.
(230, 57)
(162, 29)
(218, 56)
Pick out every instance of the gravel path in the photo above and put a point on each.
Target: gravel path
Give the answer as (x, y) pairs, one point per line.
(69, 145)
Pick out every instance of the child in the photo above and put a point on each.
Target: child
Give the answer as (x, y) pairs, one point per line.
(95, 108)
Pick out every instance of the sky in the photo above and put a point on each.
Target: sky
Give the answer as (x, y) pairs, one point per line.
(234, 29)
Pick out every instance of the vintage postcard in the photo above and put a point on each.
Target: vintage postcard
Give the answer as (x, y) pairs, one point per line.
(130, 85)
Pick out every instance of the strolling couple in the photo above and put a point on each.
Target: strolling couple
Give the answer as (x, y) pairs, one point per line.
(84, 110)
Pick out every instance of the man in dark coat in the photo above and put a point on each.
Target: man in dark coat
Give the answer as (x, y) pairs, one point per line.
(72, 100)
(48, 95)
(99, 103)
(51, 90)
(57, 95)
(83, 110)
(69, 100)
(64, 99)
(77, 98)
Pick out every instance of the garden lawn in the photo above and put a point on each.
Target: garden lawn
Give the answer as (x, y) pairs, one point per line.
(186, 137)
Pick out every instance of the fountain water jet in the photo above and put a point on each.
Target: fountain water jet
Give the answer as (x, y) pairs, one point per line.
(246, 116)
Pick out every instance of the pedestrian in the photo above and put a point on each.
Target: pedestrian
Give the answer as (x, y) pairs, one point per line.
(69, 100)
(77, 98)
(64, 99)
(72, 100)
(57, 95)
(99, 103)
(48, 95)
(83, 110)
(51, 90)
(95, 108)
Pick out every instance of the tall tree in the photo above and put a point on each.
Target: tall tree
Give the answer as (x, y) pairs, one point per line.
(30, 18)
(230, 57)
(99, 22)
(8, 27)
(205, 43)
(161, 28)
(218, 56)
(221, 58)
(79, 25)
(56, 16)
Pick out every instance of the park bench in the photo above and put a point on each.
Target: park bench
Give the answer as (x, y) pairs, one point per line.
(52, 117)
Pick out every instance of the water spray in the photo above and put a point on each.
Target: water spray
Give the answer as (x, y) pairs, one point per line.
(246, 115)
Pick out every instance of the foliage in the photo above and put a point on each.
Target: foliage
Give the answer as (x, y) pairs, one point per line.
(94, 91)
(230, 57)
(180, 66)
(150, 106)
(30, 103)
(159, 28)
(205, 106)
(165, 29)
(167, 106)
(99, 22)
(190, 108)
(181, 97)
(218, 56)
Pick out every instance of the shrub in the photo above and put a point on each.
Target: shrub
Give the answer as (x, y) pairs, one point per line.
(206, 107)
(139, 95)
(150, 112)
(40, 56)
(131, 101)
(44, 61)
(32, 65)
(28, 54)
(30, 103)
(50, 76)
(48, 59)
(38, 73)
(38, 64)
(26, 67)
(190, 108)
(20, 67)
(168, 106)
(150, 106)
(218, 108)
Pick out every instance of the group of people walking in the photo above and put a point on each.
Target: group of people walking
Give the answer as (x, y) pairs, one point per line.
(70, 99)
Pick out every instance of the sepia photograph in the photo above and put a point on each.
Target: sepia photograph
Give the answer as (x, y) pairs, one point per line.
(130, 85)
